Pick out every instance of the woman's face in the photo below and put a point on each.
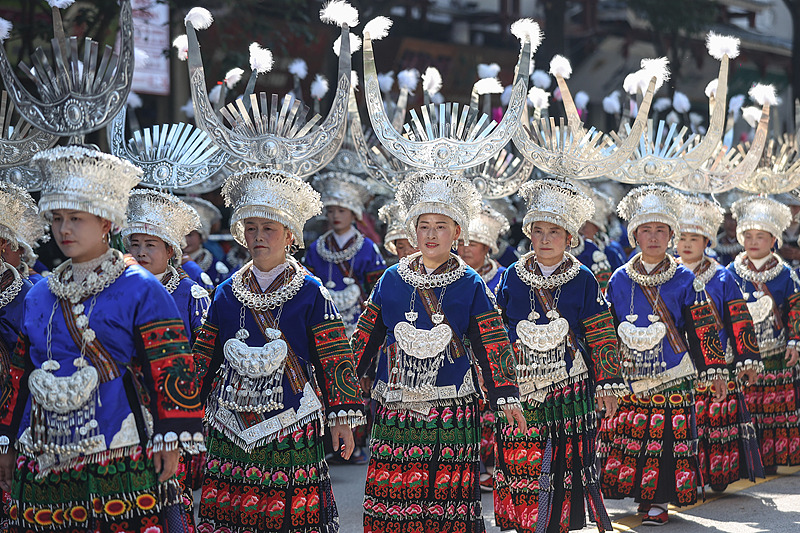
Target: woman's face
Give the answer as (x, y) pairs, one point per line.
(194, 241)
(10, 256)
(757, 243)
(151, 252)
(404, 248)
(266, 241)
(691, 247)
(549, 242)
(653, 238)
(435, 236)
(81, 236)
(339, 218)
(473, 254)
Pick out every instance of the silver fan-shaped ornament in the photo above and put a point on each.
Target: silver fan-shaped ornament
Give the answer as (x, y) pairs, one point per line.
(501, 175)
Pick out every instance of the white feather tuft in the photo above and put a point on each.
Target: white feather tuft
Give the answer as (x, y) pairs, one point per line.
(232, 77)
(657, 68)
(488, 70)
(386, 81)
(432, 81)
(437, 98)
(339, 12)
(214, 94)
(662, 104)
(199, 17)
(488, 86)
(763, 94)
(408, 79)
(672, 118)
(181, 44)
(354, 79)
(612, 104)
(560, 66)
(505, 98)
(541, 79)
(319, 87)
(722, 45)
(711, 88)
(527, 30)
(134, 100)
(736, 103)
(680, 102)
(5, 29)
(140, 57)
(631, 82)
(260, 58)
(355, 44)
(298, 68)
(751, 115)
(377, 28)
(60, 4)
(188, 109)
(538, 98)
(695, 119)
(581, 99)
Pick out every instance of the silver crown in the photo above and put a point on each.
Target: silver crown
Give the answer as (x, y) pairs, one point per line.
(19, 142)
(394, 217)
(558, 202)
(450, 195)
(78, 93)
(171, 156)
(162, 215)
(209, 214)
(761, 213)
(778, 169)
(652, 203)
(272, 134)
(343, 189)
(16, 205)
(84, 179)
(271, 194)
(702, 216)
(487, 227)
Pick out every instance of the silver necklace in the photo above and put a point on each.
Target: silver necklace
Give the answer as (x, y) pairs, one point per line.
(204, 259)
(342, 255)
(429, 281)
(489, 275)
(651, 280)
(110, 269)
(10, 292)
(173, 281)
(546, 282)
(270, 300)
(701, 279)
(753, 276)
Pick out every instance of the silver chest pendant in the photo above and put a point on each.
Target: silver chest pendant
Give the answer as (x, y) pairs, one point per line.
(420, 355)
(542, 348)
(642, 347)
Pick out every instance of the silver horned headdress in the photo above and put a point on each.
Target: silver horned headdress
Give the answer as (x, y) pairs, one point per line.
(272, 134)
(702, 216)
(761, 213)
(19, 142)
(271, 194)
(162, 215)
(78, 92)
(15, 204)
(343, 189)
(487, 227)
(208, 213)
(650, 204)
(83, 179)
(394, 217)
(557, 202)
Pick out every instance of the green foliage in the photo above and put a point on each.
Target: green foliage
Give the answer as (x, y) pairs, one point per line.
(675, 17)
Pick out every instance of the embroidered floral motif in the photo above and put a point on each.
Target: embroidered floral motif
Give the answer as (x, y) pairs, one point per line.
(337, 362)
(602, 340)
(498, 348)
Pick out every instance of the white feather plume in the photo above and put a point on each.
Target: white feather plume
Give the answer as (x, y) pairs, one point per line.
(763, 94)
(560, 66)
(188, 108)
(541, 79)
(140, 57)
(488, 70)
(199, 17)
(722, 45)
(377, 28)
(680, 102)
(5, 29)
(339, 12)
(60, 4)
(631, 82)
(319, 87)
(134, 100)
(298, 68)
(612, 104)
(581, 99)
(232, 77)
(662, 104)
(711, 88)
(538, 98)
(751, 115)
(488, 86)
(672, 118)
(355, 44)
(432, 81)
(354, 79)
(261, 59)
(505, 97)
(657, 68)
(408, 79)
(527, 30)
(736, 103)
(437, 98)
(386, 81)
(181, 44)
(214, 94)
(695, 119)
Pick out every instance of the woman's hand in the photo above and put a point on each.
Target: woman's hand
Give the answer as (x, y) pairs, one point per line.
(720, 389)
(608, 403)
(166, 463)
(515, 417)
(343, 432)
(7, 463)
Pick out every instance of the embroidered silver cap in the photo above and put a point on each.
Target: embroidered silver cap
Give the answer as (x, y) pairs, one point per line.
(394, 217)
(343, 189)
(209, 214)
(487, 227)
(84, 179)
(162, 215)
(16, 206)
(702, 216)
(558, 202)
(761, 213)
(450, 195)
(271, 194)
(652, 203)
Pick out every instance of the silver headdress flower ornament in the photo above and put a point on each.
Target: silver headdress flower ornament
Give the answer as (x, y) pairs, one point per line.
(649, 204)
(272, 194)
(274, 135)
(208, 213)
(487, 227)
(702, 216)
(558, 202)
(78, 93)
(88, 180)
(394, 217)
(162, 215)
(761, 213)
(343, 189)
(15, 205)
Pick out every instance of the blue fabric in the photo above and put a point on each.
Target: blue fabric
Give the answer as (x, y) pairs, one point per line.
(586, 256)
(781, 288)
(508, 257)
(191, 309)
(615, 254)
(11, 318)
(195, 273)
(367, 259)
(722, 288)
(495, 281)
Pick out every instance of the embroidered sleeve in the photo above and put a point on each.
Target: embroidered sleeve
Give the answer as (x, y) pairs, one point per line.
(742, 334)
(15, 389)
(493, 351)
(334, 360)
(170, 376)
(207, 356)
(368, 337)
(704, 344)
(794, 316)
(602, 340)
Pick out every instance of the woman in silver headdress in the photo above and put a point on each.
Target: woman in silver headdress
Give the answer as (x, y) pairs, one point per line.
(484, 231)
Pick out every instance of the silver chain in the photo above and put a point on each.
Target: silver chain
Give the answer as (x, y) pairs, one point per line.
(342, 255)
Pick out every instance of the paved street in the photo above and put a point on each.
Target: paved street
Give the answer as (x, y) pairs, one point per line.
(769, 506)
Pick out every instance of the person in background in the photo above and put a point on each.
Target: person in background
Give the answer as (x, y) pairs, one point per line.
(199, 263)
(395, 241)
(484, 230)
